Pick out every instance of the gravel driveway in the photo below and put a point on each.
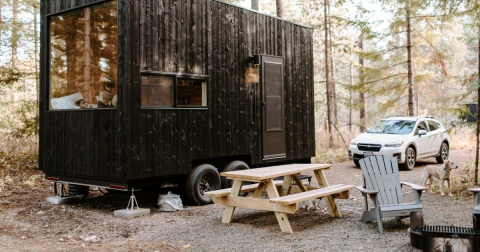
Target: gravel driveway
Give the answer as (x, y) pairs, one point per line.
(28, 223)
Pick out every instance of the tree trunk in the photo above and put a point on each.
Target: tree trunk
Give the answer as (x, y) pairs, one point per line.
(14, 37)
(350, 93)
(86, 67)
(333, 88)
(361, 61)
(327, 79)
(35, 23)
(1, 19)
(255, 5)
(280, 8)
(409, 62)
(478, 113)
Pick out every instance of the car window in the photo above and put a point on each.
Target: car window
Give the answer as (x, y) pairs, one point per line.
(392, 127)
(421, 126)
(432, 125)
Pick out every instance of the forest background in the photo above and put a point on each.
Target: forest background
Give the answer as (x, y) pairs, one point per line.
(372, 59)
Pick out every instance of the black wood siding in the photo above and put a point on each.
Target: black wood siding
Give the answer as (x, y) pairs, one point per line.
(203, 37)
(83, 145)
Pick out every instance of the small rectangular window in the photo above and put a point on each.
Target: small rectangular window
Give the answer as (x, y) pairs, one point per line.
(168, 90)
(157, 91)
(191, 93)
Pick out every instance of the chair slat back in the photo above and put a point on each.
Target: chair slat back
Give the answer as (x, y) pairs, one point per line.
(380, 173)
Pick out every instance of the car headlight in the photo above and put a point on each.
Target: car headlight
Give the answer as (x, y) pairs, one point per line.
(353, 142)
(394, 144)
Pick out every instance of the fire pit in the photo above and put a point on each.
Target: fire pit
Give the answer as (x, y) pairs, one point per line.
(440, 238)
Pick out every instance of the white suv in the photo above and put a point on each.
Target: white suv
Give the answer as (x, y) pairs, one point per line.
(407, 138)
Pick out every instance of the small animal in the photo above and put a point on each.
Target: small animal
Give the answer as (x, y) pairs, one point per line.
(442, 173)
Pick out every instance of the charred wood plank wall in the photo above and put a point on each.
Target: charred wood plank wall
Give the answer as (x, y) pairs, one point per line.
(202, 37)
(207, 37)
(83, 145)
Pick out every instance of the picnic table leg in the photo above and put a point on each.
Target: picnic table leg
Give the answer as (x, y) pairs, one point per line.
(229, 210)
(322, 182)
(281, 217)
(259, 190)
(299, 183)
(285, 189)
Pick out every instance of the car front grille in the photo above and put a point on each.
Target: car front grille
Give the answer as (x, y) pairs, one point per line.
(369, 147)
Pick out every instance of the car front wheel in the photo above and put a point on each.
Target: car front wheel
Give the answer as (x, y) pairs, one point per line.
(410, 159)
(357, 163)
(443, 153)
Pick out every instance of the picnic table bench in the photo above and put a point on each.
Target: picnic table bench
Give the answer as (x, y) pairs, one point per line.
(282, 198)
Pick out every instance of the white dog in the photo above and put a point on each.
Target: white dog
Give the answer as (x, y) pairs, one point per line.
(442, 173)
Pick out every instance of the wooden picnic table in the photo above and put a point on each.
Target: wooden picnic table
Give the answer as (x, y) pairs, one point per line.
(280, 200)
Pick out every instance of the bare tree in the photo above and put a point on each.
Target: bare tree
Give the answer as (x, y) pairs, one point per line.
(15, 34)
(350, 92)
(333, 89)
(327, 78)
(280, 8)
(362, 80)
(478, 114)
(409, 61)
(255, 4)
(35, 23)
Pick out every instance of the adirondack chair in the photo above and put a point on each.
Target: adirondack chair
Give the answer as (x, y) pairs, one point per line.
(382, 184)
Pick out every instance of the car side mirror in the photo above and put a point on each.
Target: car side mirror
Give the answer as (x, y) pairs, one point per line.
(422, 132)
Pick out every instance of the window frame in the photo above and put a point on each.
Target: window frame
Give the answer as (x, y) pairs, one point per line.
(417, 128)
(48, 85)
(433, 124)
(176, 77)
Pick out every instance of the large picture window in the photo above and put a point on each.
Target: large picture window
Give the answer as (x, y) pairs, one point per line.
(83, 58)
(171, 91)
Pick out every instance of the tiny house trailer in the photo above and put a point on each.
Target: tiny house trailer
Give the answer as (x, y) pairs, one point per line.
(140, 93)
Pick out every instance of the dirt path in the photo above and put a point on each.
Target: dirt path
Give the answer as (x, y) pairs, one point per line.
(28, 223)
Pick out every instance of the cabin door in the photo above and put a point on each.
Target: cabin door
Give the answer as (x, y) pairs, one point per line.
(273, 107)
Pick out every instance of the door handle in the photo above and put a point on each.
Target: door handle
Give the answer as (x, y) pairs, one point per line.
(264, 104)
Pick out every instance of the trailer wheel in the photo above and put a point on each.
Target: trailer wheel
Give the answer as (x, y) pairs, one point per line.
(202, 179)
(233, 166)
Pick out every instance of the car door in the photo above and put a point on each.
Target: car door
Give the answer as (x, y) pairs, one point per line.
(436, 136)
(422, 142)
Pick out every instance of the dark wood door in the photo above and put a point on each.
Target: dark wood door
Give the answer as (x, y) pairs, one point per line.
(273, 107)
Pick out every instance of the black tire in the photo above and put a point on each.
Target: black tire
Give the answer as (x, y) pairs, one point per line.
(444, 151)
(410, 159)
(357, 163)
(203, 178)
(233, 166)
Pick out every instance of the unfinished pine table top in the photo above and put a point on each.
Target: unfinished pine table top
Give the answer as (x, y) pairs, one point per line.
(260, 174)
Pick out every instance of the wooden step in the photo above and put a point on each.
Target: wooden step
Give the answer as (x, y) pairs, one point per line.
(313, 194)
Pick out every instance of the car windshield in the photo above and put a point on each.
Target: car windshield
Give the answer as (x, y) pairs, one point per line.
(392, 127)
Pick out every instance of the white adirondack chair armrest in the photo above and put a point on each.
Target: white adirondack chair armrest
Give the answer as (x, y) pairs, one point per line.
(364, 190)
(413, 186)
